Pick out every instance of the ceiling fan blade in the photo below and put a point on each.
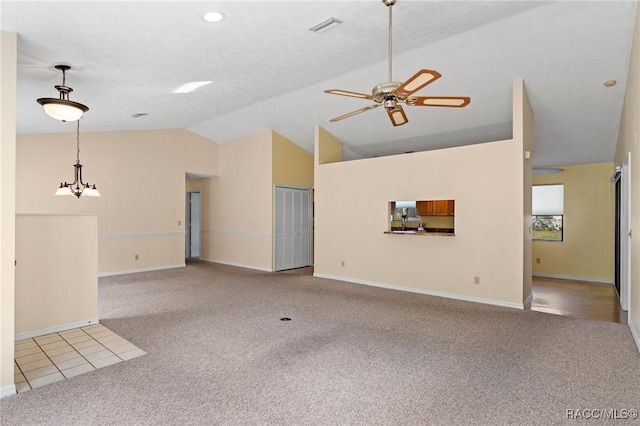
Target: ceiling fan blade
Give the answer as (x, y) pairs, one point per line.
(348, 93)
(439, 101)
(397, 115)
(417, 82)
(352, 113)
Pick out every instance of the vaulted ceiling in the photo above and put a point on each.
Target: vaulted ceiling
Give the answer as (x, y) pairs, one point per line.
(268, 71)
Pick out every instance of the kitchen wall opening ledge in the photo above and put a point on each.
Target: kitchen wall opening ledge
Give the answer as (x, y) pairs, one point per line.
(424, 217)
(426, 232)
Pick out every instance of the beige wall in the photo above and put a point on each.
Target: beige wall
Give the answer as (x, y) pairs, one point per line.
(485, 244)
(491, 231)
(523, 133)
(237, 206)
(587, 250)
(628, 141)
(124, 165)
(291, 165)
(56, 273)
(8, 49)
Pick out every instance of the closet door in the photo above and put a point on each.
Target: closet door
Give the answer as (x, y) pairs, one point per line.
(292, 228)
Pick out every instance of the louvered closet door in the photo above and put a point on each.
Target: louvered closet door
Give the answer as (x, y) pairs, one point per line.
(292, 228)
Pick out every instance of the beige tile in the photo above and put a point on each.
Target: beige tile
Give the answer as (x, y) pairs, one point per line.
(39, 372)
(76, 371)
(131, 354)
(53, 345)
(80, 338)
(91, 349)
(27, 351)
(43, 340)
(60, 350)
(115, 344)
(44, 362)
(123, 348)
(74, 332)
(108, 338)
(22, 386)
(94, 328)
(103, 362)
(98, 355)
(102, 333)
(30, 358)
(85, 344)
(70, 363)
(45, 380)
(65, 356)
(24, 344)
(18, 377)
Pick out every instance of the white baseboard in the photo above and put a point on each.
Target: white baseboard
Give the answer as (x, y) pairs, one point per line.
(135, 271)
(55, 329)
(528, 300)
(7, 391)
(634, 333)
(424, 291)
(573, 277)
(240, 265)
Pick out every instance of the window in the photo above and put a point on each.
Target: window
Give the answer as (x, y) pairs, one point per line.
(547, 213)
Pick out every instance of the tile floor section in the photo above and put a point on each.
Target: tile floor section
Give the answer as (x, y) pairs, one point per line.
(58, 356)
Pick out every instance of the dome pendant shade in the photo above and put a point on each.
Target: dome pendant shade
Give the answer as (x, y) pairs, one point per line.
(62, 108)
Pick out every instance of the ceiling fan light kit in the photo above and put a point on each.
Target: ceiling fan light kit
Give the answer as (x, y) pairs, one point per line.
(392, 93)
(62, 108)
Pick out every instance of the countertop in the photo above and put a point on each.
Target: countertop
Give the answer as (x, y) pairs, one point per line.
(425, 233)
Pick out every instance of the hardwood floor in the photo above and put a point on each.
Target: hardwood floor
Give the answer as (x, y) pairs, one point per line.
(577, 299)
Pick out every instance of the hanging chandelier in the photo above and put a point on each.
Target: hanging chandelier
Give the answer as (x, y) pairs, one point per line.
(78, 187)
(62, 108)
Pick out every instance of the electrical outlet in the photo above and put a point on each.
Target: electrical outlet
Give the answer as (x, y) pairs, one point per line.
(476, 280)
(537, 260)
(342, 263)
(137, 257)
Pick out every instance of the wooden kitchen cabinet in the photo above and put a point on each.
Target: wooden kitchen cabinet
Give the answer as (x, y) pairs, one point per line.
(435, 208)
(422, 208)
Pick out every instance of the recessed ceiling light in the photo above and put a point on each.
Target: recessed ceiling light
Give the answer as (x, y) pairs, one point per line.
(610, 83)
(191, 86)
(213, 17)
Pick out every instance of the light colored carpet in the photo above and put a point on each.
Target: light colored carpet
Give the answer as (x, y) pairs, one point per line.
(218, 354)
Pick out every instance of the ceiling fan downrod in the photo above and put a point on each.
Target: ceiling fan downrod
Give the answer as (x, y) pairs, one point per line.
(390, 3)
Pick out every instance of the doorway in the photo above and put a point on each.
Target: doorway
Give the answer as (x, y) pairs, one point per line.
(622, 245)
(293, 229)
(192, 228)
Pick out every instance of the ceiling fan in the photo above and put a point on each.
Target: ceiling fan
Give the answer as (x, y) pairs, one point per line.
(392, 93)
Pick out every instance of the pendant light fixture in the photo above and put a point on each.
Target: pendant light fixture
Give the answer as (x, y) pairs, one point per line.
(62, 108)
(78, 187)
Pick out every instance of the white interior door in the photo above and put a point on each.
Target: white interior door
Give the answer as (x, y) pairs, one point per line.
(293, 230)
(193, 225)
(625, 227)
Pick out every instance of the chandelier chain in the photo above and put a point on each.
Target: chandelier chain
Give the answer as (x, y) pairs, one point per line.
(78, 142)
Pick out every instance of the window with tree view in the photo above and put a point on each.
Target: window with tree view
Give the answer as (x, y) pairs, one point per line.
(547, 213)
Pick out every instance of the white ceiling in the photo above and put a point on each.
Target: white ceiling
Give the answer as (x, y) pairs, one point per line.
(269, 71)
